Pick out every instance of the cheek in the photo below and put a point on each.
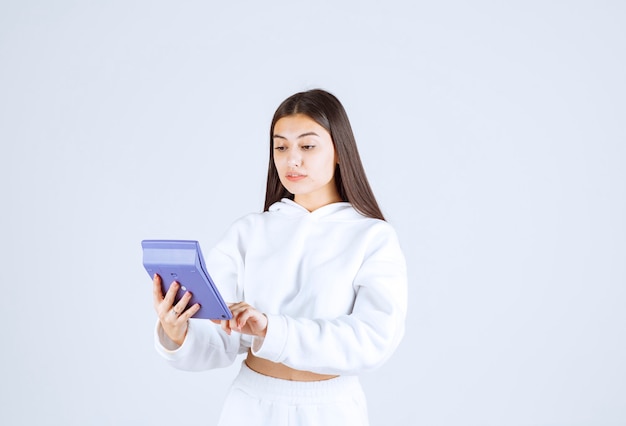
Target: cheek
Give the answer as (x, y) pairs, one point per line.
(277, 163)
(331, 163)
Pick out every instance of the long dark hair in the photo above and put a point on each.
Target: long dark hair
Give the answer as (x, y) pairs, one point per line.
(326, 110)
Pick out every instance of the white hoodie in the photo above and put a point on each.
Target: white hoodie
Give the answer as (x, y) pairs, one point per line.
(331, 282)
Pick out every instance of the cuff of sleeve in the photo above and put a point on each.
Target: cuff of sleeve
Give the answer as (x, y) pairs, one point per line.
(170, 350)
(272, 346)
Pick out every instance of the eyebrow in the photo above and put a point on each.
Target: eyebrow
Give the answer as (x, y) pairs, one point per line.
(303, 135)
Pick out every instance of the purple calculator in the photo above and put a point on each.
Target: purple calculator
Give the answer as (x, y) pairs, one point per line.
(182, 261)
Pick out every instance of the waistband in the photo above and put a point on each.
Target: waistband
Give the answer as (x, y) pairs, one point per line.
(266, 387)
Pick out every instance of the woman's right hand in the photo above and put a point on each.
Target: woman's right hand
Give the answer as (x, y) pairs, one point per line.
(173, 320)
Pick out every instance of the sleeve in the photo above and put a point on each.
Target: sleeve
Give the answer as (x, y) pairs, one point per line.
(354, 343)
(206, 345)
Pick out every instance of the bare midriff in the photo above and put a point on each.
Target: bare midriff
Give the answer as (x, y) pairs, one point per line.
(281, 371)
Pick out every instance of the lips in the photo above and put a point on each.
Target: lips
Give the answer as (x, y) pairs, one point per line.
(294, 177)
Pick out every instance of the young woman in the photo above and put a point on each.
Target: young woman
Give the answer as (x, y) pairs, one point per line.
(318, 282)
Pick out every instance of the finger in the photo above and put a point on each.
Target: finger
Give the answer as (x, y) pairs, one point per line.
(237, 305)
(189, 312)
(252, 319)
(236, 308)
(182, 303)
(171, 294)
(233, 323)
(243, 317)
(156, 290)
(164, 309)
(229, 323)
(178, 309)
(241, 313)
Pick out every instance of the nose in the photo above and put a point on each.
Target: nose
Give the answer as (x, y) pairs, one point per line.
(294, 159)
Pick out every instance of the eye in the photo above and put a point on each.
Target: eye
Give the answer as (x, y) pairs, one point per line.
(308, 147)
(280, 148)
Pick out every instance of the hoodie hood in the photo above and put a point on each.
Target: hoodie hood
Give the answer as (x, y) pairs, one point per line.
(287, 207)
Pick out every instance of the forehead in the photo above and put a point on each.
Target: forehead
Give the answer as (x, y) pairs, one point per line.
(297, 124)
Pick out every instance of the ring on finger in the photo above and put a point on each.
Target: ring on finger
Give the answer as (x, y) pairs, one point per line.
(175, 312)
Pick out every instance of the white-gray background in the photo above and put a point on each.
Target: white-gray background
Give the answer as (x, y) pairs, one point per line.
(492, 132)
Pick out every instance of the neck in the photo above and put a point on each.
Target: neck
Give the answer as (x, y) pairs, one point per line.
(312, 203)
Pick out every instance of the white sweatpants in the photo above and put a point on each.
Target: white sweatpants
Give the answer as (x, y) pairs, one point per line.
(258, 400)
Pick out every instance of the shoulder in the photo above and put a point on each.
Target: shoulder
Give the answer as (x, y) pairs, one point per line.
(350, 216)
(375, 235)
(246, 222)
(382, 234)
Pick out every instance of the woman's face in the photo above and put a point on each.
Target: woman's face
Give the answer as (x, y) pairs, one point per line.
(305, 158)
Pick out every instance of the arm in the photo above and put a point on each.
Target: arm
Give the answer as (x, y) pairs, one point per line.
(195, 344)
(205, 347)
(353, 343)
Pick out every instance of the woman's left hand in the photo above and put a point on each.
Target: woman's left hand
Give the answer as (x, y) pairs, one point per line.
(246, 319)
